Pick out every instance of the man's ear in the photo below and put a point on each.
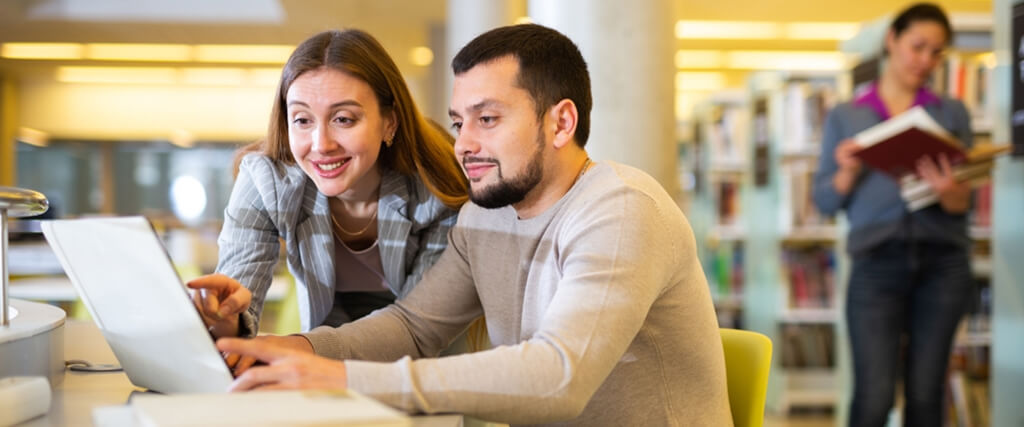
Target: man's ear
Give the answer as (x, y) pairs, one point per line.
(564, 118)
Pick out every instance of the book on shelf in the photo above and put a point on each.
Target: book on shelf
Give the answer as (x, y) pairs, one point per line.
(807, 346)
(896, 145)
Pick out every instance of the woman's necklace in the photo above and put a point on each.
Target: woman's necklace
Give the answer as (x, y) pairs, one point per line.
(338, 226)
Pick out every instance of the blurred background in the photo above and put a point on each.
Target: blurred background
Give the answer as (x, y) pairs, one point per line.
(136, 107)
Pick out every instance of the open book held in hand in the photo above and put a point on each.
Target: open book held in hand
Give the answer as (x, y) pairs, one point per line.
(895, 145)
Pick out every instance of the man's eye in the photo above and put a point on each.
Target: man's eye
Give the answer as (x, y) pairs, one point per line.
(457, 127)
(488, 120)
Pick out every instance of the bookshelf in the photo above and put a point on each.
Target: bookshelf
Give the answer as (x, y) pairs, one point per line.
(792, 289)
(718, 161)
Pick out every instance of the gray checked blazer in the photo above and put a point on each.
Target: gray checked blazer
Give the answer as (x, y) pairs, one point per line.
(271, 201)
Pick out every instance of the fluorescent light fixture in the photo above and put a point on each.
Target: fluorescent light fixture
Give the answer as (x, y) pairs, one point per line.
(117, 75)
(687, 59)
(138, 52)
(523, 20)
(695, 81)
(421, 56)
(739, 30)
(41, 51)
(213, 76)
(264, 76)
(786, 60)
(698, 59)
(251, 54)
(820, 30)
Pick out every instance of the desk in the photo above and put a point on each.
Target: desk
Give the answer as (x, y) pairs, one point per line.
(80, 392)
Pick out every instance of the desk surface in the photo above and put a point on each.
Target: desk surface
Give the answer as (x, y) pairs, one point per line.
(81, 392)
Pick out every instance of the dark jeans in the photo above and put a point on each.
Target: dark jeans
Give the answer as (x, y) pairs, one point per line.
(914, 290)
(350, 306)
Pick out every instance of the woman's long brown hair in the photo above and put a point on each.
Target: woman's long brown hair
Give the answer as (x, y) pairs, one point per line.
(418, 149)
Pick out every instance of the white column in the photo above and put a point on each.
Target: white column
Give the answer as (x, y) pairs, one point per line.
(466, 20)
(629, 50)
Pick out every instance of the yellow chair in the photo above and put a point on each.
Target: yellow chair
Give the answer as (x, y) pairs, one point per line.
(748, 361)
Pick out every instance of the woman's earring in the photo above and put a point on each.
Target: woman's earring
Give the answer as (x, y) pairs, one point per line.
(388, 142)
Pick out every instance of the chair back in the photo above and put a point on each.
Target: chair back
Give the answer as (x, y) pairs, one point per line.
(748, 362)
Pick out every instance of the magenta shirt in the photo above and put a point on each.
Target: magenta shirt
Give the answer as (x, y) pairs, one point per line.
(868, 97)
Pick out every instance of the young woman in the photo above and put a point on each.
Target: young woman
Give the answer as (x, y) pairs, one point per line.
(911, 278)
(356, 184)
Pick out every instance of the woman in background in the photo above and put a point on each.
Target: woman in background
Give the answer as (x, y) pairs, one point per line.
(911, 278)
(358, 185)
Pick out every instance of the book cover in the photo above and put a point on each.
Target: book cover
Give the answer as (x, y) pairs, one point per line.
(895, 145)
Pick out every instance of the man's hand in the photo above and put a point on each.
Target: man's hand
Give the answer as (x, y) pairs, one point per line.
(220, 300)
(290, 364)
(954, 196)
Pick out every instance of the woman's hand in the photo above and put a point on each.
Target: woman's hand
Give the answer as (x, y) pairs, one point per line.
(849, 166)
(845, 156)
(954, 196)
(220, 300)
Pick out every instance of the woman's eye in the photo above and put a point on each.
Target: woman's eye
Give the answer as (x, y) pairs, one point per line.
(344, 120)
(300, 121)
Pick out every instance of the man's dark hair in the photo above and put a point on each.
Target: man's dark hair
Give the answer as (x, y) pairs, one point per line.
(551, 67)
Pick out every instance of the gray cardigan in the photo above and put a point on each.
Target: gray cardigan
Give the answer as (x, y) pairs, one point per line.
(874, 208)
(271, 202)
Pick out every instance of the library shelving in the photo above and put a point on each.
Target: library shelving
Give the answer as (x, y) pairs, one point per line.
(792, 291)
(719, 162)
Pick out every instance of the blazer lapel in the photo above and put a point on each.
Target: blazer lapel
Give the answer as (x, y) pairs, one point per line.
(316, 244)
(393, 229)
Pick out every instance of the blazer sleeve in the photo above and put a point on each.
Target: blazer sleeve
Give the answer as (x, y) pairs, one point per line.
(249, 244)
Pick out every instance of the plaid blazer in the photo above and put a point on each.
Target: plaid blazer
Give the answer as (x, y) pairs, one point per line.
(271, 202)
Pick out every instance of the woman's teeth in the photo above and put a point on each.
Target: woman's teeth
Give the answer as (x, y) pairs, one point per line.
(331, 166)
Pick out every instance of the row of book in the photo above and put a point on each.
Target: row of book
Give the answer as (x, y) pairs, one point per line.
(807, 345)
(811, 276)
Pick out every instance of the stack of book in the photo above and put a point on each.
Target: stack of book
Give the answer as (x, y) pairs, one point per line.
(975, 170)
(895, 146)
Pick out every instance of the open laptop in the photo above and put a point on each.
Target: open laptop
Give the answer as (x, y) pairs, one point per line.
(125, 277)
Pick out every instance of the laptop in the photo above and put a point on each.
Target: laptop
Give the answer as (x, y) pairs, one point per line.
(126, 280)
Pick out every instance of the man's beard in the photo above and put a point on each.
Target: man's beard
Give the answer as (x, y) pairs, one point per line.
(514, 190)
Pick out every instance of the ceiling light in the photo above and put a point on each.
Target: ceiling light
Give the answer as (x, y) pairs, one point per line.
(523, 20)
(742, 30)
(786, 60)
(117, 75)
(252, 54)
(820, 30)
(699, 81)
(213, 76)
(264, 76)
(421, 56)
(138, 52)
(41, 50)
(697, 59)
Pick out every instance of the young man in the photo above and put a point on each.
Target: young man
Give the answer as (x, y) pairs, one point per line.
(586, 273)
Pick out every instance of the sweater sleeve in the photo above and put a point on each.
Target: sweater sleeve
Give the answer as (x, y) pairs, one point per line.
(612, 271)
